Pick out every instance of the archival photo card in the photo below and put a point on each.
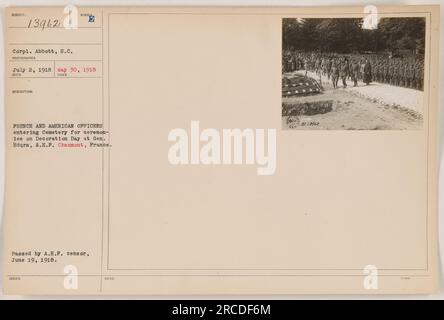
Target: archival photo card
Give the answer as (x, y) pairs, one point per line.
(149, 150)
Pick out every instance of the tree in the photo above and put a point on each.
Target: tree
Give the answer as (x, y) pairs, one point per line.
(346, 35)
(403, 33)
(290, 33)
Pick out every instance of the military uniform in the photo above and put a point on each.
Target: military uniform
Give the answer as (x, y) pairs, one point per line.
(391, 76)
(343, 72)
(355, 73)
(329, 63)
(367, 73)
(377, 72)
(335, 74)
(385, 73)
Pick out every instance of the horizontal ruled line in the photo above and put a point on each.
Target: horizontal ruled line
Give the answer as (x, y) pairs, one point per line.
(33, 60)
(51, 28)
(55, 77)
(54, 43)
(223, 275)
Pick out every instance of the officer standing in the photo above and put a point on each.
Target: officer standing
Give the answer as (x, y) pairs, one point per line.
(329, 63)
(343, 72)
(335, 73)
(355, 73)
(367, 72)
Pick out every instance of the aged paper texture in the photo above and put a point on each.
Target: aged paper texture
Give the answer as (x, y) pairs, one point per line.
(203, 150)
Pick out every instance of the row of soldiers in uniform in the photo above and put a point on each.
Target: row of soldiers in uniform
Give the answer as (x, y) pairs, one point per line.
(406, 72)
(342, 68)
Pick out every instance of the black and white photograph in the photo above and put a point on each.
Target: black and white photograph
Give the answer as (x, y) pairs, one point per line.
(341, 74)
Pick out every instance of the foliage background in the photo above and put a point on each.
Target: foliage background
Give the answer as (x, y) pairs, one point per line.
(346, 35)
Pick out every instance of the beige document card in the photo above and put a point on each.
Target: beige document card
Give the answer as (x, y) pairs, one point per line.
(221, 150)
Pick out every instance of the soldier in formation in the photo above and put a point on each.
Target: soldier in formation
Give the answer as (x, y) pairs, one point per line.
(405, 72)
